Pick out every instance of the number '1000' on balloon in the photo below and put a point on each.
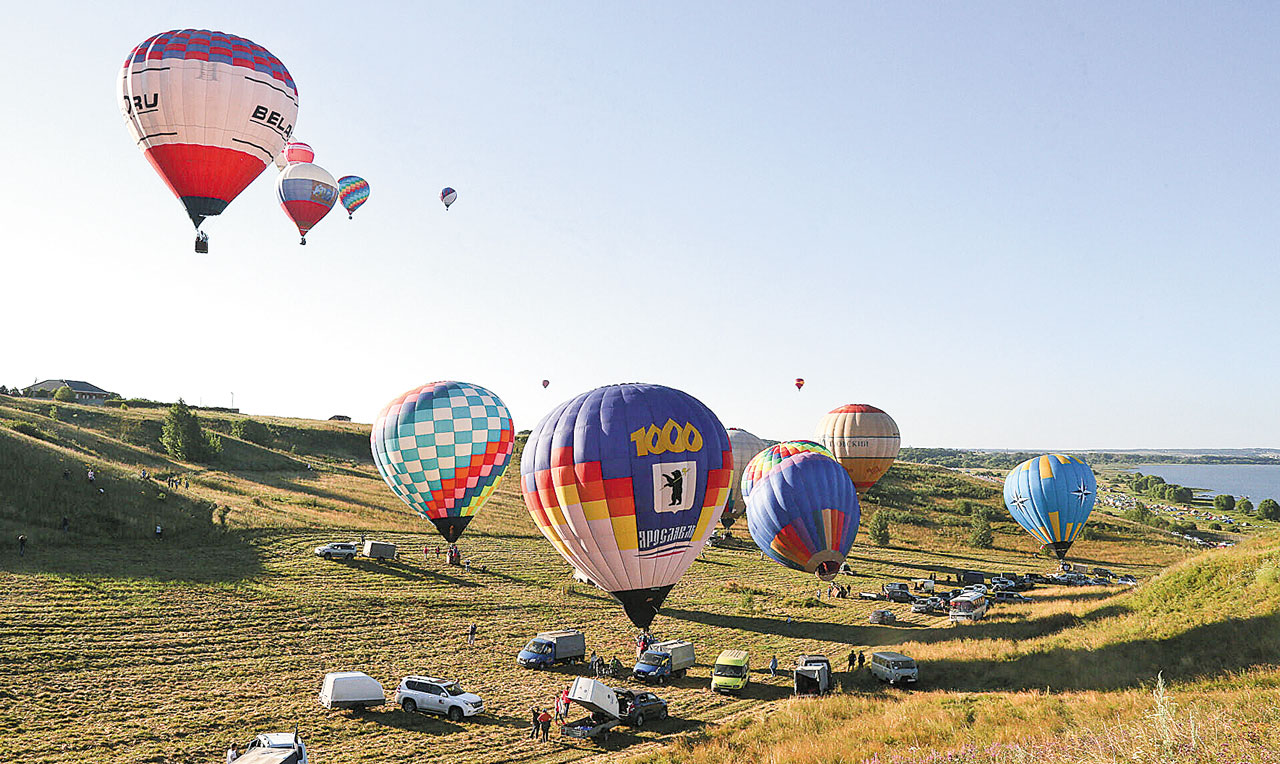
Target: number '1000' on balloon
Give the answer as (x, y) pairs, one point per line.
(627, 482)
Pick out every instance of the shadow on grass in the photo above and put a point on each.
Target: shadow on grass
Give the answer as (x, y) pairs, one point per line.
(830, 632)
(408, 572)
(1202, 652)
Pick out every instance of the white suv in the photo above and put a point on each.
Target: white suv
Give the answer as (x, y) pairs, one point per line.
(339, 549)
(437, 696)
(279, 741)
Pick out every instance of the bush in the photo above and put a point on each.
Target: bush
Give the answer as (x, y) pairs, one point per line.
(1268, 509)
(1215, 526)
(878, 528)
(53, 412)
(1224, 502)
(1244, 506)
(981, 536)
(185, 439)
(26, 428)
(64, 394)
(252, 431)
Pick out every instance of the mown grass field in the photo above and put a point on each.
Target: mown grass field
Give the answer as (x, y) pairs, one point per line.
(121, 648)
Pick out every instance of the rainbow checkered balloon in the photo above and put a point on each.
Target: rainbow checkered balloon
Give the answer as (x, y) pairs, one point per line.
(442, 448)
(353, 191)
(768, 460)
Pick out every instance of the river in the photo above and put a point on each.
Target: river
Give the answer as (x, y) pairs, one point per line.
(1257, 481)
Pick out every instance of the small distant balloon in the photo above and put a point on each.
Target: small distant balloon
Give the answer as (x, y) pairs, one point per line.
(307, 193)
(448, 196)
(545, 382)
(353, 191)
(799, 382)
(294, 152)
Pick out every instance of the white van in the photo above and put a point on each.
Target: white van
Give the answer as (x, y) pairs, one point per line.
(970, 606)
(350, 689)
(894, 668)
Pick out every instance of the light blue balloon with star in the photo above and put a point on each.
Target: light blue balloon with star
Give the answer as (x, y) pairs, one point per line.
(1051, 496)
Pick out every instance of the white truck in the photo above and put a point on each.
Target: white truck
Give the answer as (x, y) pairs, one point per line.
(664, 660)
(379, 550)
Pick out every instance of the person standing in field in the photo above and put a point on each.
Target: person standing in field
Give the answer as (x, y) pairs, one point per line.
(232, 754)
(22, 545)
(471, 634)
(544, 721)
(773, 666)
(533, 720)
(861, 659)
(853, 659)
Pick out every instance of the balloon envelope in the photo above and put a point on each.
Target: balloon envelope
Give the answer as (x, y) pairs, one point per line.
(442, 448)
(307, 193)
(209, 110)
(864, 440)
(1051, 496)
(545, 382)
(768, 460)
(294, 152)
(799, 383)
(627, 482)
(448, 196)
(353, 191)
(804, 514)
(745, 447)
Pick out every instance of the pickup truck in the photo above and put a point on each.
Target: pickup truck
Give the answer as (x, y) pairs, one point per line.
(609, 707)
(663, 660)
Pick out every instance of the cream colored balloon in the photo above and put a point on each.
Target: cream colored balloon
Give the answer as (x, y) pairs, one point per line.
(864, 439)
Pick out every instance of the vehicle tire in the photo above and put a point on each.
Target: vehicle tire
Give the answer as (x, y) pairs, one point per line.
(409, 706)
(662, 680)
(328, 555)
(662, 714)
(639, 720)
(455, 714)
(681, 673)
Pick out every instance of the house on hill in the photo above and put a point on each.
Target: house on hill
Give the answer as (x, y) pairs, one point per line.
(85, 392)
(339, 418)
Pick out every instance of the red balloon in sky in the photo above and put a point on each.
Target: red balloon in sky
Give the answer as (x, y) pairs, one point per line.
(799, 382)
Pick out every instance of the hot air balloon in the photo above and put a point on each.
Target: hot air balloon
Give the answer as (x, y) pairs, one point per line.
(353, 191)
(799, 382)
(443, 448)
(745, 446)
(293, 153)
(545, 382)
(210, 111)
(1051, 496)
(804, 514)
(863, 439)
(448, 196)
(768, 460)
(627, 482)
(307, 193)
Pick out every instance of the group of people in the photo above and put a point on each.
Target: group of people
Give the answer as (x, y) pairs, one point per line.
(600, 668)
(540, 719)
(642, 643)
(453, 555)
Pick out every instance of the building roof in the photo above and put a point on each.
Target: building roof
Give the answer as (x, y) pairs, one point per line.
(76, 386)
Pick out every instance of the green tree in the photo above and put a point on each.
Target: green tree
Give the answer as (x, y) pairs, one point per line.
(981, 535)
(1268, 509)
(252, 431)
(64, 394)
(53, 411)
(183, 437)
(878, 528)
(1245, 506)
(1224, 502)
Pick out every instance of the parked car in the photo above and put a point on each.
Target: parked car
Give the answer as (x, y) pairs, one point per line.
(279, 741)
(551, 647)
(1127, 580)
(339, 549)
(926, 605)
(1002, 584)
(979, 588)
(870, 596)
(437, 696)
(894, 668)
(1102, 573)
(350, 689)
(1008, 597)
(637, 708)
(897, 592)
(883, 616)
(973, 577)
(732, 671)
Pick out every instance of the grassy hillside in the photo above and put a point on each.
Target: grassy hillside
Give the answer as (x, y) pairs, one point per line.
(124, 648)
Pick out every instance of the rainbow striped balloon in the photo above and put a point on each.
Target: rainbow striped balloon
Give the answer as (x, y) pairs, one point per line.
(804, 514)
(353, 191)
(769, 459)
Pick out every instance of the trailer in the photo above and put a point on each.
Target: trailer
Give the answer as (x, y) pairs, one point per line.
(380, 550)
(812, 675)
(602, 704)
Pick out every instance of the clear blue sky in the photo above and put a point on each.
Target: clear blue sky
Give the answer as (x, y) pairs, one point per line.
(1024, 225)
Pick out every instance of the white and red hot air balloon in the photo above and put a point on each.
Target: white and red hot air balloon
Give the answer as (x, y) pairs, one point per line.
(210, 111)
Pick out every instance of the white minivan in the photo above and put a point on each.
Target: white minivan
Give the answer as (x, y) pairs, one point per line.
(350, 689)
(894, 668)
